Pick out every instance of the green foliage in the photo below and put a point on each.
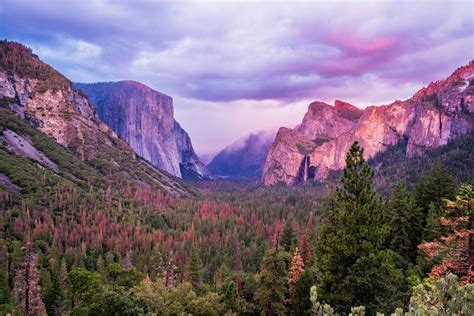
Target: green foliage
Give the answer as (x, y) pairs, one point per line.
(288, 237)
(405, 220)
(194, 270)
(354, 241)
(272, 278)
(434, 187)
(83, 287)
(318, 309)
(54, 295)
(444, 296)
(393, 165)
(120, 276)
(301, 304)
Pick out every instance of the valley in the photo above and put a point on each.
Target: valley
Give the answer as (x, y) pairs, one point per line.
(106, 209)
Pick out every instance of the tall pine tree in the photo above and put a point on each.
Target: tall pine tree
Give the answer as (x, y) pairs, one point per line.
(194, 270)
(431, 191)
(27, 288)
(272, 278)
(355, 234)
(405, 219)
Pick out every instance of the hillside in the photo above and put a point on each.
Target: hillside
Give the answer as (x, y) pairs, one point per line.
(431, 118)
(42, 107)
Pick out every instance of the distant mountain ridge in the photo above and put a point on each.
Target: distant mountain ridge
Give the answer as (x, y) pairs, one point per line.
(243, 158)
(143, 117)
(442, 111)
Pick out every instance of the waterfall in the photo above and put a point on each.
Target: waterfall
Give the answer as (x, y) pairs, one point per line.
(306, 166)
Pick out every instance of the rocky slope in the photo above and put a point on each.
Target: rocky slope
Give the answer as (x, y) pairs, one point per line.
(144, 118)
(243, 158)
(432, 117)
(46, 100)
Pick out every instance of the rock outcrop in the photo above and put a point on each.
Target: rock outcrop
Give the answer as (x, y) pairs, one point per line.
(432, 117)
(50, 103)
(144, 118)
(243, 158)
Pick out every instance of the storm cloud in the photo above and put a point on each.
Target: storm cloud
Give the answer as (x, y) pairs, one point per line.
(250, 55)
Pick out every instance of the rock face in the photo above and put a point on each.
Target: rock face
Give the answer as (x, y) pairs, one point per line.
(49, 102)
(144, 118)
(432, 117)
(243, 158)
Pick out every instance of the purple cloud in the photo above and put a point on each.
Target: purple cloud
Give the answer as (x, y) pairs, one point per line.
(229, 53)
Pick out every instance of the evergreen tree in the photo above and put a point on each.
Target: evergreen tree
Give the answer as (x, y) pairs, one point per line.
(230, 297)
(54, 295)
(27, 288)
(432, 228)
(296, 269)
(287, 238)
(194, 270)
(301, 304)
(304, 249)
(355, 234)
(431, 191)
(271, 290)
(405, 220)
(454, 252)
(101, 265)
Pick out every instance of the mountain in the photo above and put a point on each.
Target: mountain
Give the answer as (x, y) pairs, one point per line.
(144, 118)
(243, 158)
(431, 118)
(45, 119)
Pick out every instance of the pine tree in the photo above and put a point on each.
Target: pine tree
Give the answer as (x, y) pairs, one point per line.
(287, 239)
(355, 234)
(304, 249)
(301, 303)
(194, 270)
(296, 269)
(406, 222)
(272, 277)
(54, 295)
(27, 289)
(431, 191)
(433, 228)
(454, 252)
(230, 297)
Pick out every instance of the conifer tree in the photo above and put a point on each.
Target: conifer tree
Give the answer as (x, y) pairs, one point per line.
(194, 270)
(101, 265)
(430, 193)
(405, 220)
(272, 278)
(304, 249)
(355, 235)
(287, 237)
(296, 269)
(27, 288)
(54, 294)
(454, 252)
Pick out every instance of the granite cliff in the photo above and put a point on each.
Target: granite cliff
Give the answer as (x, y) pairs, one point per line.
(47, 101)
(435, 115)
(144, 118)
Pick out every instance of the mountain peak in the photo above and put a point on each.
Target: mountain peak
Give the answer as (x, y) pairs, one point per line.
(435, 115)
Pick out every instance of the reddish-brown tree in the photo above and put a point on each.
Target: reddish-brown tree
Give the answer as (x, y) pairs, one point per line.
(27, 289)
(297, 267)
(456, 249)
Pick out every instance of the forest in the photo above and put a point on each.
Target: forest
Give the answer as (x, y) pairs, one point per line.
(237, 248)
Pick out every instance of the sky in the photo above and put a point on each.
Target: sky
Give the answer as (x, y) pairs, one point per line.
(236, 67)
